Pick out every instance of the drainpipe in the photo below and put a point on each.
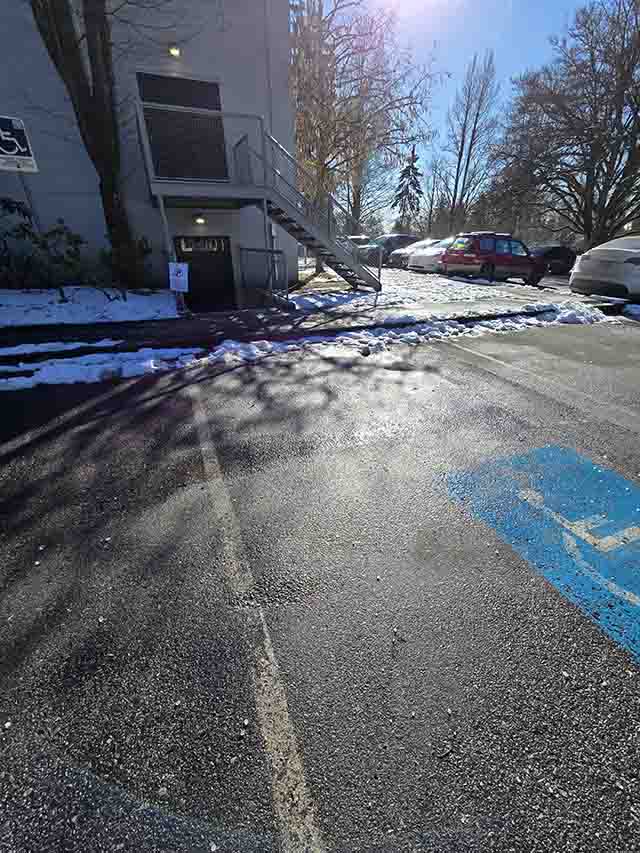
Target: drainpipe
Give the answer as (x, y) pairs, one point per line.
(267, 53)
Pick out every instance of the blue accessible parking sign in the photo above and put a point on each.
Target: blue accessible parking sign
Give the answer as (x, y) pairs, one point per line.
(575, 522)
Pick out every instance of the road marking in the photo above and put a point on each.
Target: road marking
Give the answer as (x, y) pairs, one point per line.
(609, 413)
(583, 527)
(293, 806)
(576, 523)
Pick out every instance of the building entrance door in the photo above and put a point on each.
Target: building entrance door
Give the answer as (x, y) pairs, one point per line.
(211, 285)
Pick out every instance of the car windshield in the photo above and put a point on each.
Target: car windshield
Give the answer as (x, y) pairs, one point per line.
(362, 240)
(421, 244)
(440, 246)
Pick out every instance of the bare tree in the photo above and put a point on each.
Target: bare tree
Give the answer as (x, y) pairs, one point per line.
(358, 95)
(368, 189)
(435, 184)
(78, 37)
(572, 140)
(472, 125)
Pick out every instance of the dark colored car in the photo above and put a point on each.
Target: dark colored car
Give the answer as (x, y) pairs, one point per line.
(388, 243)
(559, 259)
(494, 256)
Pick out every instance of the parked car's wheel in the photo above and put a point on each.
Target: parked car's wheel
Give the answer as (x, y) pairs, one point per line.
(488, 271)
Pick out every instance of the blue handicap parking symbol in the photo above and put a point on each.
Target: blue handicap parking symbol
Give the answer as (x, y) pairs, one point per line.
(575, 522)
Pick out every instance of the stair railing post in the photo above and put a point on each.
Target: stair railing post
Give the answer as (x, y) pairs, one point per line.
(263, 137)
(379, 262)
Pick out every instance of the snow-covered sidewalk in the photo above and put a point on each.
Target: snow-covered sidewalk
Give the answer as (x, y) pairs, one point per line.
(401, 288)
(78, 305)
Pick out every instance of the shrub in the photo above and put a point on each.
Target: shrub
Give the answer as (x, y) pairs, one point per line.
(52, 258)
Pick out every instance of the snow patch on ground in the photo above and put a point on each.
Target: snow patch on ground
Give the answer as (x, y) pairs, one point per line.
(102, 366)
(96, 368)
(400, 287)
(28, 349)
(571, 313)
(84, 305)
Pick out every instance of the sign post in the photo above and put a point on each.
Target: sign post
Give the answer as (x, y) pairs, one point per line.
(16, 155)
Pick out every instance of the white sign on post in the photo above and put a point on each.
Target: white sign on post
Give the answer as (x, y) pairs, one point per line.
(179, 277)
(16, 154)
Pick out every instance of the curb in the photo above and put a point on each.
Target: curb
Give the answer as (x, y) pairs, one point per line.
(213, 339)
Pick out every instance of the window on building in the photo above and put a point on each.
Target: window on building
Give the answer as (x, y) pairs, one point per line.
(184, 146)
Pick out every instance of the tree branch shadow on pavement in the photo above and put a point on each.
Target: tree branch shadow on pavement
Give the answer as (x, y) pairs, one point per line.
(145, 425)
(98, 509)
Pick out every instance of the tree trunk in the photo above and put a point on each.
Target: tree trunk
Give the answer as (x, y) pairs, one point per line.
(127, 258)
(356, 207)
(89, 81)
(432, 200)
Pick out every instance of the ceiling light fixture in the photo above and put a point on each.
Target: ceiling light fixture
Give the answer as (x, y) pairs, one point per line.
(174, 51)
(200, 220)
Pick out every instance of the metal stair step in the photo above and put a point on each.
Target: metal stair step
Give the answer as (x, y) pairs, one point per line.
(320, 246)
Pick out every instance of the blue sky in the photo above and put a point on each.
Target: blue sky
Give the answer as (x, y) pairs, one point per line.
(517, 30)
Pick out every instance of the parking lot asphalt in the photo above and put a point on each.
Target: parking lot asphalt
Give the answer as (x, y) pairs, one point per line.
(305, 604)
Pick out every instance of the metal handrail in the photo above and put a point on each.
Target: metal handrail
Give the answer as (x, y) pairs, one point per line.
(281, 176)
(317, 213)
(156, 105)
(292, 159)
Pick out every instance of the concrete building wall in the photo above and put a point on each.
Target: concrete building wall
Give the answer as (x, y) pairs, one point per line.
(66, 186)
(242, 45)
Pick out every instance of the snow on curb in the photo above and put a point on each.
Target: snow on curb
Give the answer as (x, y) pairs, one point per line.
(102, 366)
(96, 368)
(80, 305)
(30, 349)
(571, 313)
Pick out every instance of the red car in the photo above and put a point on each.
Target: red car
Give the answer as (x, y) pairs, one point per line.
(493, 256)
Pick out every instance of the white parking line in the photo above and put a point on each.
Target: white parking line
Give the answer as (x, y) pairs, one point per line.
(292, 803)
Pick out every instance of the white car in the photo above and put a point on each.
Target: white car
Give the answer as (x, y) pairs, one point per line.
(428, 259)
(400, 257)
(612, 269)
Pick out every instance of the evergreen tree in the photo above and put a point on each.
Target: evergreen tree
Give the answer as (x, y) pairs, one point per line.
(408, 197)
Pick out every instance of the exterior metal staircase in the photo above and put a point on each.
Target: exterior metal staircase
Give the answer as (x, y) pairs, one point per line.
(229, 159)
(322, 226)
(331, 252)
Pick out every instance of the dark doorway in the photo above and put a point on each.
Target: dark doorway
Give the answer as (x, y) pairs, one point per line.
(211, 286)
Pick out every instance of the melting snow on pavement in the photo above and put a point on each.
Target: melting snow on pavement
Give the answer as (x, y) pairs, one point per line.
(95, 368)
(401, 287)
(28, 349)
(103, 366)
